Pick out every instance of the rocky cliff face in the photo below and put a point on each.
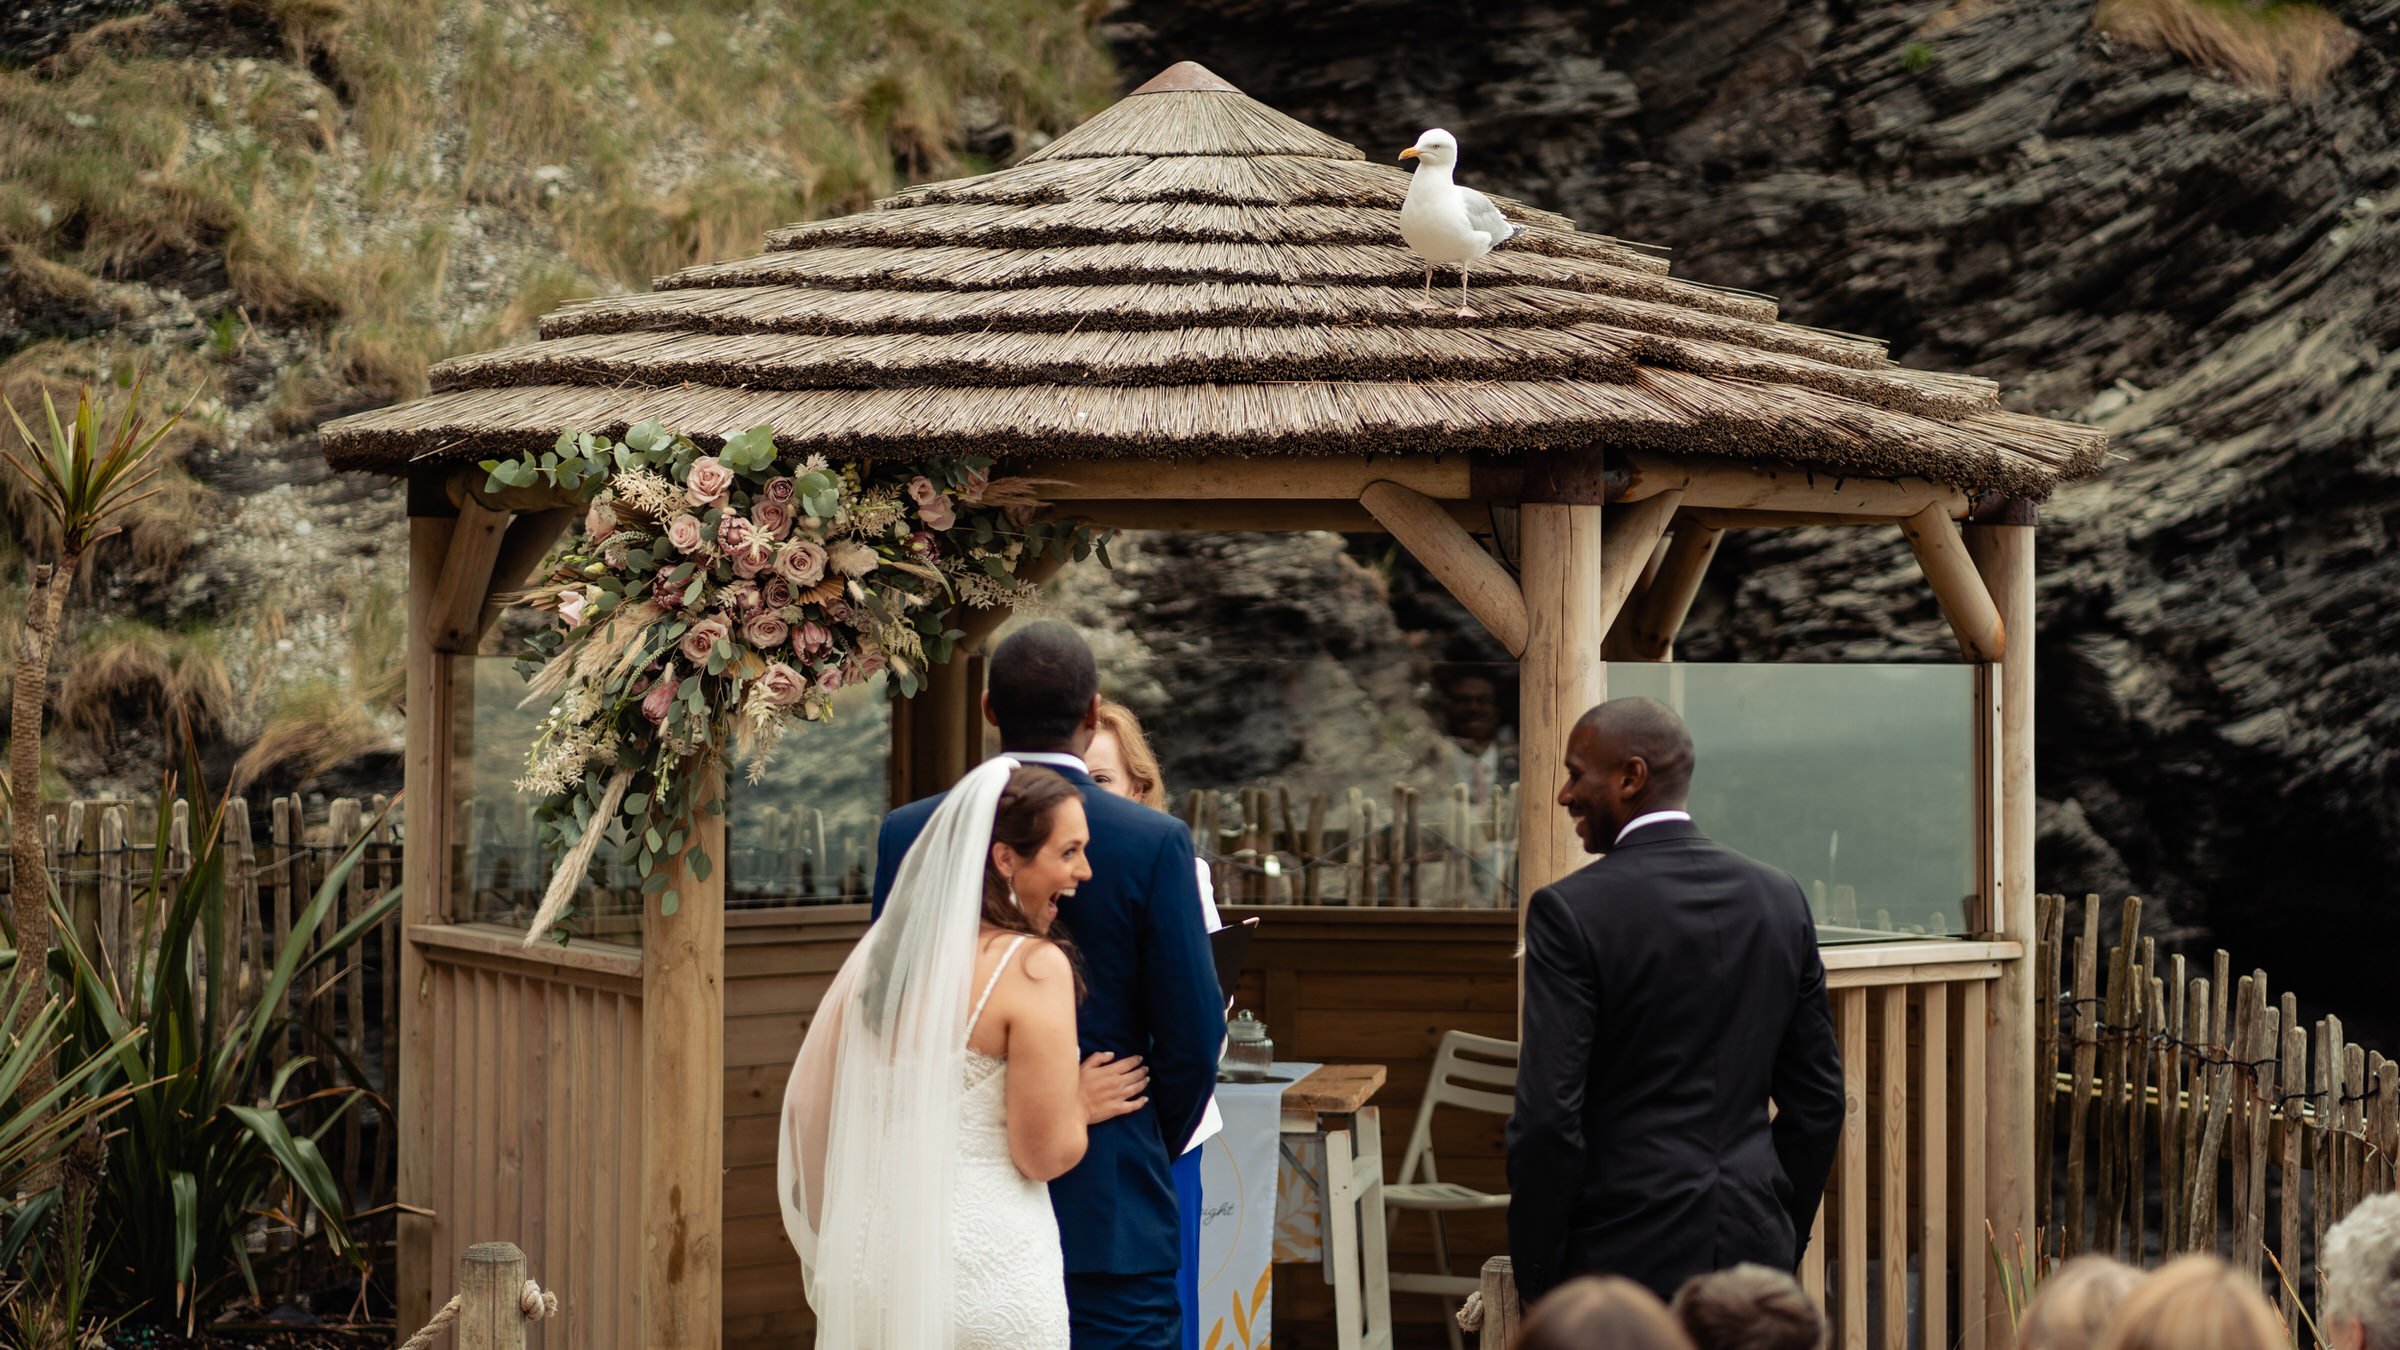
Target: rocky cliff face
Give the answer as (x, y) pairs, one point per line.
(2111, 232)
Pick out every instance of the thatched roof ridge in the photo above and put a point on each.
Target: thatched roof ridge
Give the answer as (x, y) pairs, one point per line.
(1193, 272)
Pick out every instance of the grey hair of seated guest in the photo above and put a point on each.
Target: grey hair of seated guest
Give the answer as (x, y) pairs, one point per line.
(2073, 1303)
(2362, 1277)
(1749, 1307)
(1043, 690)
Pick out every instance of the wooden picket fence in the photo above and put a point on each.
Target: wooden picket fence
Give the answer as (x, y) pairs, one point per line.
(2196, 1111)
(109, 869)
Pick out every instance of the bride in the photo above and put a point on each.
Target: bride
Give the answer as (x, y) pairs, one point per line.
(938, 1091)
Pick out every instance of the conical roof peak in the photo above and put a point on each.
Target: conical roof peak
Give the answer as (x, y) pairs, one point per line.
(1186, 77)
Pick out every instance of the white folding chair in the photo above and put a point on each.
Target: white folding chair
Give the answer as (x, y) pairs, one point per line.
(1355, 1259)
(1472, 1073)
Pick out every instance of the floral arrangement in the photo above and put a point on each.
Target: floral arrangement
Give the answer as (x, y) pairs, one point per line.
(718, 601)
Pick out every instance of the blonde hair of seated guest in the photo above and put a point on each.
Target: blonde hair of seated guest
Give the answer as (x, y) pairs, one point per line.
(1145, 784)
(2072, 1305)
(2195, 1303)
(1601, 1312)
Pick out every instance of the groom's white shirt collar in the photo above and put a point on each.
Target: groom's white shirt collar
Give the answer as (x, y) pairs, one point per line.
(1052, 758)
(1653, 818)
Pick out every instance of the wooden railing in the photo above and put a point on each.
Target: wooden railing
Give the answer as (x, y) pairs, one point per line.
(2196, 1111)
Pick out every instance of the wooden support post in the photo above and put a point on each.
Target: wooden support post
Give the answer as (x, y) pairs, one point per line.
(683, 1094)
(424, 885)
(466, 576)
(522, 548)
(1475, 577)
(1655, 625)
(947, 718)
(1966, 599)
(2004, 556)
(1501, 1312)
(1561, 676)
(1632, 539)
(491, 1286)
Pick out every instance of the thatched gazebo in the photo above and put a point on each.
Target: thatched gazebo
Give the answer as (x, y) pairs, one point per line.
(1194, 313)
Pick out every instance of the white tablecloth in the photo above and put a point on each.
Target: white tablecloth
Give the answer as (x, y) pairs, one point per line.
(1238, 1173)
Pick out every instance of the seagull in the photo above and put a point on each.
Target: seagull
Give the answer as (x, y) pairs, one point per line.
(1444, 222)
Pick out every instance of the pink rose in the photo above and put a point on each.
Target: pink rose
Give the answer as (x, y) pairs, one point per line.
(749, 563)
(937, 514)
(684, 533)
(765, 630)
(742, 597)
(781, 491)
(571, 605)
(599, 521)
(810, 638)
(660, 698)
(973, 485)
(708, 482)
(830, 679)
(782, 685)
(776, 594)
(702, 638)
(774, 518)
(922, 491)
(865, 666)
(801, 563)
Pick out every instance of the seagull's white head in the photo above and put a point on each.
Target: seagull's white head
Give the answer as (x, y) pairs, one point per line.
(1436, 147)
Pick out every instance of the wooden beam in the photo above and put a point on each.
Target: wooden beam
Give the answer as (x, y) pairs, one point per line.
(1248, 478)
(424, 885)
(1966, 601)
(522, 549)
(1474, 577)
(1277, 516)
(466, 578)
(683, 1094)
(1634, 530)
(1741, 486)
(2004, 556)
(1724, 518)
(1673, 589)
(1619, 644)
(1561, 676)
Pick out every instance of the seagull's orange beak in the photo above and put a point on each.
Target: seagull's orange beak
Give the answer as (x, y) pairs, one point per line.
(1409, 153)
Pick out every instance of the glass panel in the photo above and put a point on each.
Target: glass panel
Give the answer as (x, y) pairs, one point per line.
(1859, 780)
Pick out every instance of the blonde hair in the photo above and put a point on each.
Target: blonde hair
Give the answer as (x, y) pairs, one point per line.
(2071, 1308)
(2195, 1303)
(1601, 1310)
(1141, 762)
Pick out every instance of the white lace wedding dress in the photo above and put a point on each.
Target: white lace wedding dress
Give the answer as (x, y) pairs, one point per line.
(1011, 1284)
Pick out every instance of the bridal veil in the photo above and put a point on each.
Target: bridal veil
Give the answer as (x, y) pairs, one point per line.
(865, 1159)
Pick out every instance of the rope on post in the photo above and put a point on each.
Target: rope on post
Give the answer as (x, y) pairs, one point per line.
(1470, 1313)
(537, 1303)
(424, 1339)
(534, 1304)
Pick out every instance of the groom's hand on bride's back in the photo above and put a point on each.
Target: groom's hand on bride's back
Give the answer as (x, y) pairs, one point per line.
(1113, 1087)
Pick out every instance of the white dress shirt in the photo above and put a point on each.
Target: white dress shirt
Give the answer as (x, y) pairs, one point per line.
(1652, 818)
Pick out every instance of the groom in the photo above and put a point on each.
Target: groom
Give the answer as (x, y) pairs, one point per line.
(1152, 992)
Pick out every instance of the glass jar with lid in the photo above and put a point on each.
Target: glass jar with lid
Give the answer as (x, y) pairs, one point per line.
(1248, 1051)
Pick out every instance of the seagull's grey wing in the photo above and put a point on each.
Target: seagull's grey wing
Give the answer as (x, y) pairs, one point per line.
(1482, 215)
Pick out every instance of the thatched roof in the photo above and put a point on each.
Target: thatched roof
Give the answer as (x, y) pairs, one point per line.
(1193, 272)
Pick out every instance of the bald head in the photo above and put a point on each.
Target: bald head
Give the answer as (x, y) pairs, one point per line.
(1625, 758)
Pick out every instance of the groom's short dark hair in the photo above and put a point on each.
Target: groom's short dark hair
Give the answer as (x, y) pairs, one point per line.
(1042, 683)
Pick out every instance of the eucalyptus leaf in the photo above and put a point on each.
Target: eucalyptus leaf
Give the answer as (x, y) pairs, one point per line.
(669, 903)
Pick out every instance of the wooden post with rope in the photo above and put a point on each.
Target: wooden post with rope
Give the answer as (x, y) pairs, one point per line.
(494, 1302)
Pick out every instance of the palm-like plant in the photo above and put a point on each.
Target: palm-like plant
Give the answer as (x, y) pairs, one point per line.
(82, 475)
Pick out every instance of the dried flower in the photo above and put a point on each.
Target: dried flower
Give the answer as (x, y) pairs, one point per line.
(922, 544)
(702, 638)
(599, 520)
(660, 699)
(801, 562)
(851, 559)
(708, 482)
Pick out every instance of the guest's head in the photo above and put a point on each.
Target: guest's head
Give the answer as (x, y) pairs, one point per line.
(1625, 758)
(1038, 839)
(2072, 1306)
(1121, 760)
(1471, 707)
(2362, 1277)
(2195, 1303)
(1600, 1312)
(1750, 1307)
(1044, 690)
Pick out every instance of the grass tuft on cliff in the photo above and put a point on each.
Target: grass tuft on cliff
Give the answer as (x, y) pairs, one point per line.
(2267, 45)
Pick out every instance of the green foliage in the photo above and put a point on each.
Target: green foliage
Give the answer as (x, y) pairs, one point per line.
(1919, 57)
(204, 1145)
(83, 474)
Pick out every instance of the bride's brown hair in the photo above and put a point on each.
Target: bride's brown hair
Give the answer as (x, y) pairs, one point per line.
(1027, 812)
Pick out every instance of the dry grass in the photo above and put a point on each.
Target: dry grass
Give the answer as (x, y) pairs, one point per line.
(314, 726)
(126, 666)
(2273, 47)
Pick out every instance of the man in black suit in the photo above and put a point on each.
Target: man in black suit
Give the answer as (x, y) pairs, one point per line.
(1672, 990)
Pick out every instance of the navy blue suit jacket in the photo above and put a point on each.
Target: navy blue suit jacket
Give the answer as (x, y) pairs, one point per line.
(1152, 991)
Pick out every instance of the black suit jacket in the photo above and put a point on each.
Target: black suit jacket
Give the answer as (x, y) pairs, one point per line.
(1672, 989)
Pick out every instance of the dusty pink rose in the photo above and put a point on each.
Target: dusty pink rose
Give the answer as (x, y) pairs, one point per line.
(684, 533)
(781, 491)
(765, 630)
(864, 666)
(1023, 514)
(782, 685)
(749, 563)
(660, 698)
(774, 518)
(975, 484)
(702, 638)
(922, 491)
(571, 604)
(708, 482)
(800, 562)
(742, 597)
(831, 678)
(775, 594)
(937, 514)
(810, 638)
(599, 521)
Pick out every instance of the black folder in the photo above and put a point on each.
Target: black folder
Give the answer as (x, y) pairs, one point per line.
(1229, 945)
